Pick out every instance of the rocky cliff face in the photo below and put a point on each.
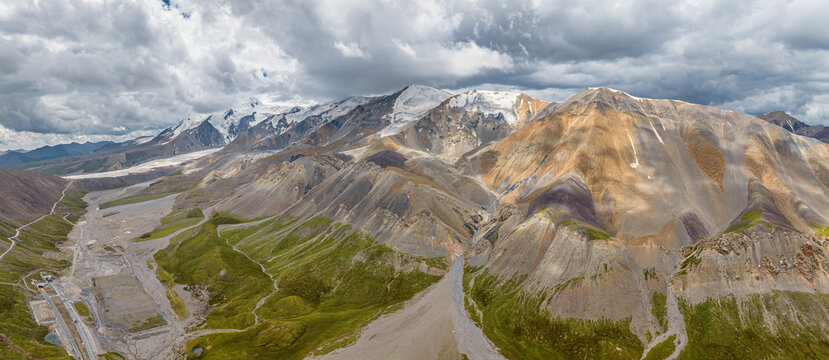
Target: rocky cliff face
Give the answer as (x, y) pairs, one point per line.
(760, 260)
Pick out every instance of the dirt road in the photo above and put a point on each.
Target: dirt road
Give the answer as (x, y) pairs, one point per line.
(14, 238)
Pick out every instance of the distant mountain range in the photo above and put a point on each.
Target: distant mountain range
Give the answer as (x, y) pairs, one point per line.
(16, 157)
(796, 126)
(251, 125)
(194, 133)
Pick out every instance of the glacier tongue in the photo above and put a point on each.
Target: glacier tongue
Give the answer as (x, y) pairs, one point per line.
(412, 104)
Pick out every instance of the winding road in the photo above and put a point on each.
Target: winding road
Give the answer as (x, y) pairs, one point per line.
(14, 238)
(76, 319)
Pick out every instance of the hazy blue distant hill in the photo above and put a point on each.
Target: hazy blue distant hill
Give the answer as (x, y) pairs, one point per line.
(11, 158)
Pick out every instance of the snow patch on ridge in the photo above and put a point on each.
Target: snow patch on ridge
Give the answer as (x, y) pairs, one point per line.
(488, 102)
(224, 121)
(657, 134)
(620, 92)
(635, 157)
(629, 95)
(233, 117)
(190, 122)
(411, 105)
(326, 111)
(142, 139)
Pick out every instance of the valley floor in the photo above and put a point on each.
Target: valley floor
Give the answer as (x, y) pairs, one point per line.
(110, 274)
(436, 317)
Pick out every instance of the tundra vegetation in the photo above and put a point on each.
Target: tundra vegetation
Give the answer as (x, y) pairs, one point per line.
(518, 325)
(176, 220)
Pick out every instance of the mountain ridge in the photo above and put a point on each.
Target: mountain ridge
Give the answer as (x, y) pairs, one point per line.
(588, 211)
(780, 118)
(11, 158)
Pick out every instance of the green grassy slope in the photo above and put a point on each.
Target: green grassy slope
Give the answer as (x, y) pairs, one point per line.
(332, 281)
(517, 325)
(173, 222)
(731, 329)
(662, 350)
(235, 283)
(20, 336)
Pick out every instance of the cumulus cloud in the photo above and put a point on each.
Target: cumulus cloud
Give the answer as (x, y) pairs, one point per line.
(76, 68)
(349, 50)
(27, 140)
(90, 67)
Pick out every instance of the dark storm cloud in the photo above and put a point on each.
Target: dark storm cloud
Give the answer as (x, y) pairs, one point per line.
(112, 68)
(571, 31)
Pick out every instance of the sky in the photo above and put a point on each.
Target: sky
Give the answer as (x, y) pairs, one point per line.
(89, 70)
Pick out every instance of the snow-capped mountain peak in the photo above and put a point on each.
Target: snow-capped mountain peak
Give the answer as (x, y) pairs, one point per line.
(412, 104)
(231, 122)
(488, 102)
(188, 123)
(326, 111)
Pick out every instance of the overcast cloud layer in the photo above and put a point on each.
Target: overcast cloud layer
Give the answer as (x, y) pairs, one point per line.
(78, 70)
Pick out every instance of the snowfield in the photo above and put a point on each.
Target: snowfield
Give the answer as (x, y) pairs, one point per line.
(326, 111)
(488, 102)
(147, 166)
(412, 105)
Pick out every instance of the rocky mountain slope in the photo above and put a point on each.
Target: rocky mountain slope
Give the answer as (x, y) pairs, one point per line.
(36, 214)
(195, 133)
(25, 196)
(469, 120)
(796, 126)
(609, 217)
(605, 193)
